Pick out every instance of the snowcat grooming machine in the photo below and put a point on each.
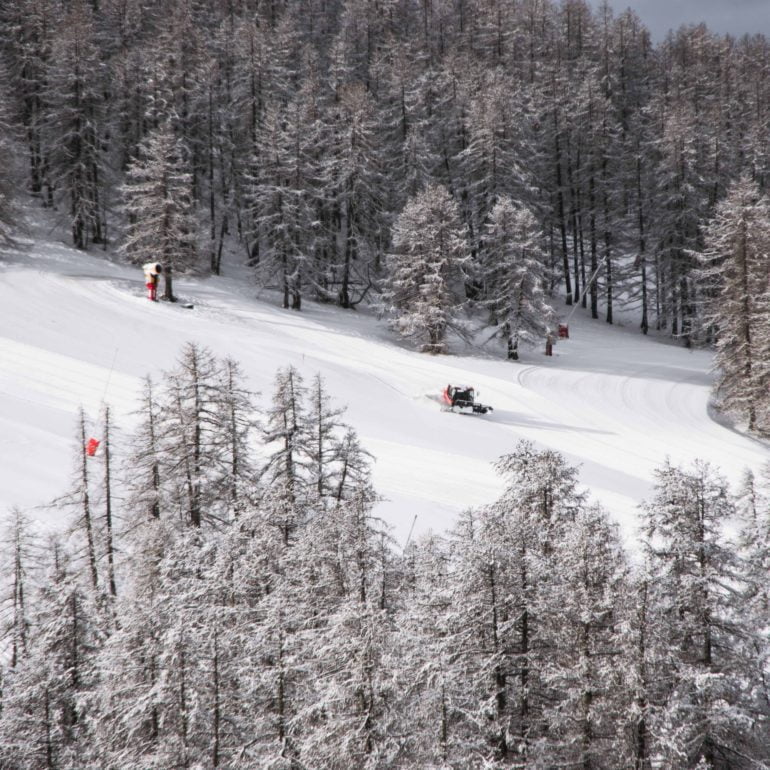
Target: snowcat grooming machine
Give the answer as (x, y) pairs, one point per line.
(460, 399)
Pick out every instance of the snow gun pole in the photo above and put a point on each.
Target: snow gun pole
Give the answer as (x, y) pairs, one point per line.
(93, 443)
(584, 292)
(109, 377)
(409, 536)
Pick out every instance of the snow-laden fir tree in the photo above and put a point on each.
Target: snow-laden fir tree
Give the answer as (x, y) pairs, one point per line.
(8, 152)
(127, 698)
(236, 483)
(285, 477)
(204, 419)
(159, 204)
(74, 124)
(585, 670)
(17, 556)
(682, 205)
(708, 669)
(431, 686)
(279, 198)
(424, 285)
(753, 508)
(737, 301)
(488, 169)
(354, 192)
(347, 639)
(84, 530)
(45, 718)
(642, 655)
(143, 482)
(506, 628)
(29, 29)
(515, 276)
(323, 423)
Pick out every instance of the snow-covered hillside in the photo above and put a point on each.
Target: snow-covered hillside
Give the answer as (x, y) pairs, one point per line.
(76, 330)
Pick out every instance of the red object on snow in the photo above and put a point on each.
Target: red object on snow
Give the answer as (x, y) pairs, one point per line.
(564, 331)
(92, 446)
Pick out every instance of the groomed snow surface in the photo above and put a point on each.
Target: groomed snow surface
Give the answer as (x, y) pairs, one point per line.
(76, 329)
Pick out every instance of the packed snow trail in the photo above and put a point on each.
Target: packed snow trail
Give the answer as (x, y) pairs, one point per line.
(611, 401)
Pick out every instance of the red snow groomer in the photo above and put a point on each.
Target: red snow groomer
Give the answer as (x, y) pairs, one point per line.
(456, 398)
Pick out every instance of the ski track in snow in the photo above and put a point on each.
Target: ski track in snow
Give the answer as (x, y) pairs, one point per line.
(77, 330)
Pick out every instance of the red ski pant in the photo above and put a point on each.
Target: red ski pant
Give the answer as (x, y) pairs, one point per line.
(152, 289)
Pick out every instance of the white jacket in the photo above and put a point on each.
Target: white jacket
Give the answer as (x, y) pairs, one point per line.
(151, 269)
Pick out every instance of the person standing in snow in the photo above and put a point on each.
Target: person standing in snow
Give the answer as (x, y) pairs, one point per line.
(151, 272)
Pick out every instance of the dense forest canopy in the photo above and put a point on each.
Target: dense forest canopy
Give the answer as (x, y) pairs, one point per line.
(301, 130)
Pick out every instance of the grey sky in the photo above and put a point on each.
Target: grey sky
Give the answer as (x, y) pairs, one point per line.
(736, 17)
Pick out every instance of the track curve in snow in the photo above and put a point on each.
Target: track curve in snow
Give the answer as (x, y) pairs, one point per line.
(612, 401)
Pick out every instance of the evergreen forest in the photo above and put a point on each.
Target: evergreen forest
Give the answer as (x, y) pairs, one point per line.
(314, 139)
(229, 599)
(223, 595)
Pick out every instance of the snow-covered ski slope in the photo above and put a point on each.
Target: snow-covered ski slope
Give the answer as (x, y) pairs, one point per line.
(76, 329)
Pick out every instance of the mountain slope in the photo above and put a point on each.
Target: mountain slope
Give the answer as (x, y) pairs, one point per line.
(77, 330)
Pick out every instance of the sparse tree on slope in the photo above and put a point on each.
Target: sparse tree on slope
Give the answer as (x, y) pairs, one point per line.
(203, 418)
(735, 273)
(514, 261)
(159, 204)
(425, 280)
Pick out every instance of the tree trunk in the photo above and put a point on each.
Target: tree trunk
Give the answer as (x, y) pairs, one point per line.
(108, 505)
(642, 244)
(592, 236)
(560, 210)
(168, 283)
(86, 504)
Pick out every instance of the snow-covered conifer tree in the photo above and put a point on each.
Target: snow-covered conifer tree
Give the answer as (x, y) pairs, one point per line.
(17, 562)
(354, 190)
(28, 29)
(424, 286)
(193, 428)
(488, 169)
(345, 717)
(705, 714)
(280, 198)
(285, 477)
(506, 627)
(682, 202)
(8, 152)
(127, 697)
(430, 684)
(236, 484)
(159, 204)
(584, 668)
(735, 275)
(323, 424)
(753, 508)
(143, 480)
(84, 525)
(74, 123)
(514, 272)
(45, 720)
